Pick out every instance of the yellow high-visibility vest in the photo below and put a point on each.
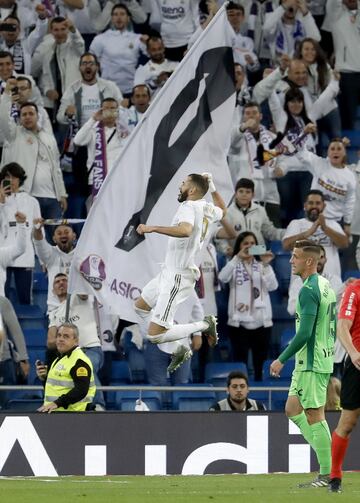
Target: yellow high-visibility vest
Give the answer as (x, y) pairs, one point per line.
(59, 381)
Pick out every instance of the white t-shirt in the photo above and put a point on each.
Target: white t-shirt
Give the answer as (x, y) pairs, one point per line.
(181, 252)
(332, 252)
(179, 20)
(43, 185)
(21, 201)
(82, 315)
(90, 101)
(148, 73)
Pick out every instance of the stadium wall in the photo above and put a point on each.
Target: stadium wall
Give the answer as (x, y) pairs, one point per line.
(156, 443)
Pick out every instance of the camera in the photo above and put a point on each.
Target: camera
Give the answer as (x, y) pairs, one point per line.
(14, 90)
(6, 183)
(257, 250)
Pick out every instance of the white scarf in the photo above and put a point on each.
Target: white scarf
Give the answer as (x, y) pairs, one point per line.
(265, 138)
(249, 293)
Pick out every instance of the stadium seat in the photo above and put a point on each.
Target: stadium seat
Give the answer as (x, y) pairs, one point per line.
(120, 372)
(216, 373)
(35, 354)
(276, 247)
(30, 317)
(285, 374)
(352, 273)
(126, 400)
(24, 404)
(193, 400)
(353, 136)
(278, 400)
(282, 268)
(35, 338)
(286, 336)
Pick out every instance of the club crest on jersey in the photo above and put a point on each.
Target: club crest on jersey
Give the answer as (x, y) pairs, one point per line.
(93, 271)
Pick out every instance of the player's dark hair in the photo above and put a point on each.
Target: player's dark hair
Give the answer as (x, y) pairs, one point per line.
(109, 100)
(22, 78)
(240, 239)
(308, 246)
(237, 374)
(6, 54)
(235, 6)
(87, 53)
(245, 183)
(153, 38)
(57, 20)
(14, 169)
(322, 249)
(201, 183)
(121, 6)
(60, 275)
(315, 192)
(141, 85)
(251, 104)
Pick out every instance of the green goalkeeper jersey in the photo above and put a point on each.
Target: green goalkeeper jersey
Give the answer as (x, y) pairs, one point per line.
(317, 298)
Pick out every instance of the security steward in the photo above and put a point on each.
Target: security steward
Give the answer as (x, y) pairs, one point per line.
(69, 383)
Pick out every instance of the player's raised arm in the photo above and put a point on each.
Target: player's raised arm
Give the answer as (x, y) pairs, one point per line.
(216, 197)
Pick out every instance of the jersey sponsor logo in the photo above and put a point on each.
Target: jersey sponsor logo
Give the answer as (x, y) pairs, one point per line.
(93, 271)
(173, 12)
(82, 372)
(348, 311)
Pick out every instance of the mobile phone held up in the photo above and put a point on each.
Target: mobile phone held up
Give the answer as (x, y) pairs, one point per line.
(6, 183)
(257, 250)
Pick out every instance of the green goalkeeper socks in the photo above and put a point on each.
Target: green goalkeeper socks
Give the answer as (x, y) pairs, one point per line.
(303, 425)
(321, 443)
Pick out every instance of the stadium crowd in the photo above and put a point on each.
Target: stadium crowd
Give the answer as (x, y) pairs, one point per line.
(71, 70)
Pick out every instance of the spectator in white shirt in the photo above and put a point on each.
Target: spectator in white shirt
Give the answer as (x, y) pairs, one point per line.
(243, 161)
(288, 24)
(118, 50)
(23, 95)
(22, 49)
(158, 69)
(243, 47)
(343, 18)
(140, 100)
(249, 309)
(334, 179)
(10, 253)
(178, 20)
(60, 66)
(106, 120)
(56, 258)
(12, 199)
(83, 97)
(316, 227)
(36, 151)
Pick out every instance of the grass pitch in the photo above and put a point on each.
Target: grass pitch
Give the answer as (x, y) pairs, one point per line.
(276, 488)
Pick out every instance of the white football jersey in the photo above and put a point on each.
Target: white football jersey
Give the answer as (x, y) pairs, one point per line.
(181, 252)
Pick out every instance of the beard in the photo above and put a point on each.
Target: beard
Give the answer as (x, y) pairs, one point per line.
(182, 196)
(313, 215)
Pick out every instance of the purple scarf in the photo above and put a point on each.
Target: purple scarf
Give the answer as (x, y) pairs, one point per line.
(99, 165)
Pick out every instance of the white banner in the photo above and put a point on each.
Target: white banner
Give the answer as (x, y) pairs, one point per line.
(185, 130)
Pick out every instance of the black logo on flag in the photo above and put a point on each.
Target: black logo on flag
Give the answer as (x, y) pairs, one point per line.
(217, 65)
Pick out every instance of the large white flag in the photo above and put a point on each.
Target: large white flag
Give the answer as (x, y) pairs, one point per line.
(185, 130)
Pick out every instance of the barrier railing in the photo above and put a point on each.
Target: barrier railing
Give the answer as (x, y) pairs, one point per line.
(143, 387)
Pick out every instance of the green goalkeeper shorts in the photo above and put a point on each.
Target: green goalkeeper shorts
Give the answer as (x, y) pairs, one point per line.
(310, 388)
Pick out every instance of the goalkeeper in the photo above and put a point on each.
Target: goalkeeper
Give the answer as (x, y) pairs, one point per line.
(313, 347)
